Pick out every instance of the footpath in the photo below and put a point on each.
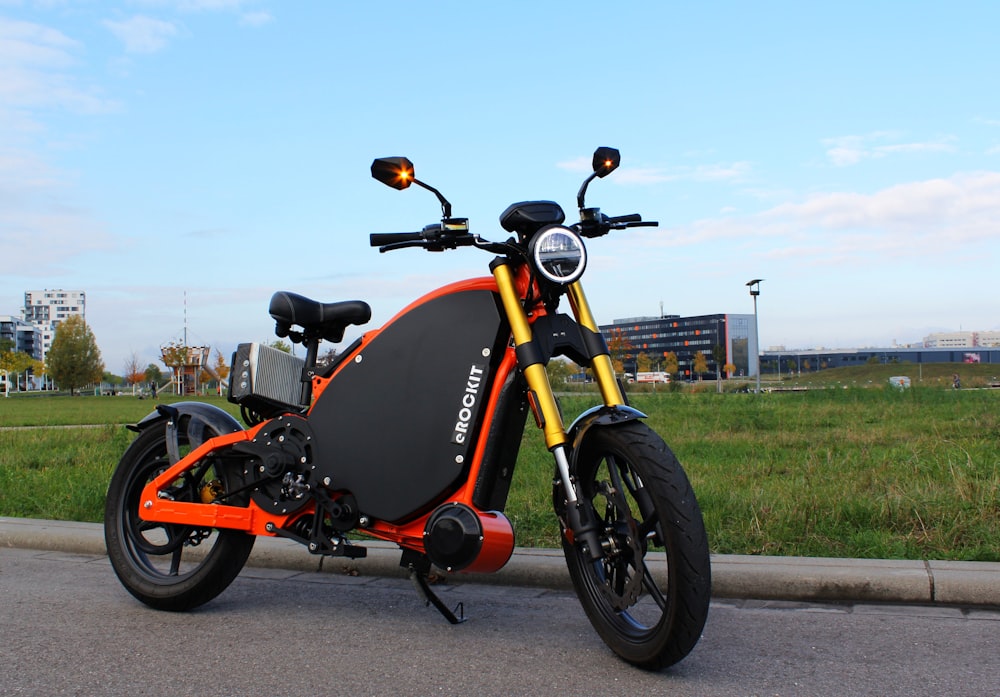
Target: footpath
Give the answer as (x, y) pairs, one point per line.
(809, 579)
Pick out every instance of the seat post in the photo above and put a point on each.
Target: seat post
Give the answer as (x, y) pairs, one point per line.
(311, 342)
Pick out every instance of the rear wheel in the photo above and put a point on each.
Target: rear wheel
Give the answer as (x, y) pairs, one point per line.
(168, 566)
(648, 596)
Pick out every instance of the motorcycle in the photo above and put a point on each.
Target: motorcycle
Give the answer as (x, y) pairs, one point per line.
(411, 435)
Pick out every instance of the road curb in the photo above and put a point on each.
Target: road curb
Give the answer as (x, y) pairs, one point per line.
(733, 576)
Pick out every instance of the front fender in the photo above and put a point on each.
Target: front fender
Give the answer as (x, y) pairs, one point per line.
(201, 417)
(598, 416)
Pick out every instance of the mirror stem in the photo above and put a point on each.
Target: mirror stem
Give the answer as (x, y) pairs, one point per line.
(445, 206)
(583, 190)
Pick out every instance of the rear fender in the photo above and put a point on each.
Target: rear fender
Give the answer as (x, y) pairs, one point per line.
(200, 417)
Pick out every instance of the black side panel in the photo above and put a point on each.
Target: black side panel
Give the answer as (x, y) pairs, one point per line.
(497, 469)
(398, 424)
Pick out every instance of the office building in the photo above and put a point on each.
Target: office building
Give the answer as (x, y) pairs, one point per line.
(687, 336)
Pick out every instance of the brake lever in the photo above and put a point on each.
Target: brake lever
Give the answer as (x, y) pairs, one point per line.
(401, 245)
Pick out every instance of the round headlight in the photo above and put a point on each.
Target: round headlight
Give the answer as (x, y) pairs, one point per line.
(559, 254)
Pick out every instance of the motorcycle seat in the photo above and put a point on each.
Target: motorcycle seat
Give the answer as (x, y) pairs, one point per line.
(325, 320)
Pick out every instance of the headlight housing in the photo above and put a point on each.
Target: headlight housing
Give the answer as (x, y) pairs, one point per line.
(559, 254)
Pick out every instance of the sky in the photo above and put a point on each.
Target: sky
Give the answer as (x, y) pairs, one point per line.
(181, 160)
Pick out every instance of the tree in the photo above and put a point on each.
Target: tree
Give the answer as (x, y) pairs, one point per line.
(619, 347)
(328, 356)
(74, 359)
(671, 364)
(719, 356)
(218, 372)
(134, 374)
(37, 369)
(221, 365)
(173, 355)
(15, 363)
(700, 364)
(560, 371)
(153, 373)
(643, 363)
(281, 345)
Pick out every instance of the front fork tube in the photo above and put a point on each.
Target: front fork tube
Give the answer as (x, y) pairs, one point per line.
(580, 517)
(604, 372)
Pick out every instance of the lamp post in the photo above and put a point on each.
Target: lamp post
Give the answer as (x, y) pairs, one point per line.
(754, 287)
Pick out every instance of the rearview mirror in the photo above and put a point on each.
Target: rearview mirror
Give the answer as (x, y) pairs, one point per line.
(606, 161)
(396, 172)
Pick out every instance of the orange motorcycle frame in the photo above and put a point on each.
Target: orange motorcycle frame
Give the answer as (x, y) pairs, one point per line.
(498, 541)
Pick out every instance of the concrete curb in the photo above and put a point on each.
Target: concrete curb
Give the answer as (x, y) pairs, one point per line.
(733, 576)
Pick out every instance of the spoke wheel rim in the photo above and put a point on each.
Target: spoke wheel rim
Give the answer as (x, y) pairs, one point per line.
(631, 597)
(157, 550)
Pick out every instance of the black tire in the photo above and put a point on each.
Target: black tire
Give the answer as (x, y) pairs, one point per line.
(650, 615)
(166, 566)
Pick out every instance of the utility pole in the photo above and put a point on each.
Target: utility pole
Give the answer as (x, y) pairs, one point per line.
(754, 287)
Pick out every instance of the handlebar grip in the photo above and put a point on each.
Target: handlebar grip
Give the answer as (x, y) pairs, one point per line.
(381, 239)
(633, 218)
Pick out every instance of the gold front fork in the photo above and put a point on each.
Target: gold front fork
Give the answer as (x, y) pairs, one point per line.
(604, 372)
(537, 378)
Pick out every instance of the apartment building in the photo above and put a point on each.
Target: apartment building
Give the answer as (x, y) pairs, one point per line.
(45, 309)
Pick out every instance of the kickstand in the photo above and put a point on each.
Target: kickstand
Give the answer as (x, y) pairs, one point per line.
(418, 574)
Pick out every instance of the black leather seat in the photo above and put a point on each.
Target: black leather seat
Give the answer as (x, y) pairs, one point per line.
(325, 320)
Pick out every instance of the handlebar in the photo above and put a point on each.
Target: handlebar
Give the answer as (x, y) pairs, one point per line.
(381, 239)
(449, 234)
(632, 218)
(593, 223)
(454, 232)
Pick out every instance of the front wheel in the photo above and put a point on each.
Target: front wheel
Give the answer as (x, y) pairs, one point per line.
(168, 566)
(648, 596)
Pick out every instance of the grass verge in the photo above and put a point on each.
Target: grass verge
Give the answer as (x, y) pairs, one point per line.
(869, 473)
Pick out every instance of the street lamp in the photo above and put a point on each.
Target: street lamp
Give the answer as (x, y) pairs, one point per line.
(754, 287)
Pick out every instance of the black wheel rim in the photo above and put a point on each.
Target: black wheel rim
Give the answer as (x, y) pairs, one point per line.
(160, 551)
(631, 594)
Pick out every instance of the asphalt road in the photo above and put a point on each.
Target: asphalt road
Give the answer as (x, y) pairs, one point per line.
(68, 628)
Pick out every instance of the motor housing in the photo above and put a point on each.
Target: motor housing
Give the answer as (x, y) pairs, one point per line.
(459, 538)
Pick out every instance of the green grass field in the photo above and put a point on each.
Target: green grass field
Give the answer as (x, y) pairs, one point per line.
(871, 473)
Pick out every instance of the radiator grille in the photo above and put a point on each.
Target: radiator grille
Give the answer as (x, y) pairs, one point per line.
(263, 372)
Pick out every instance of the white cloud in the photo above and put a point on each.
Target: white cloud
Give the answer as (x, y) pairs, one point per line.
(36, 65)
(40, 219)
(940, 217)
(256, 19)
(579, 164)
(845, 151)
(247, 16)
(142, 34)
(643, 175)
(658, 175)
(717, 172)
(191, 5)
(37, 213)
(25, 43)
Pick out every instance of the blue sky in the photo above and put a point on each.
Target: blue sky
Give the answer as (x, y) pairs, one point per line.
(214, 151)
